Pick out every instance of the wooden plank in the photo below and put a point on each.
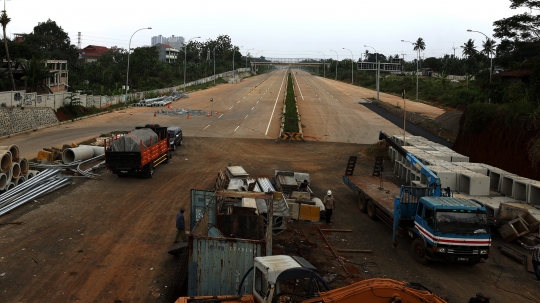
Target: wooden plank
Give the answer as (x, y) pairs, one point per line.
(337, 230)
(355, 250)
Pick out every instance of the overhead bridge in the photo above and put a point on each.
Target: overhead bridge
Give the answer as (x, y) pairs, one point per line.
(287, 62)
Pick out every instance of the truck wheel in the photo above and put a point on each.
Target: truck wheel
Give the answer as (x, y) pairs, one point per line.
(180, 142)
(371, 210)
(148, 170)
(174, 147)
(362, 202)
(419, 252)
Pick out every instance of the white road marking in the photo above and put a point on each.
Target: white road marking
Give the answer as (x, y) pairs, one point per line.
(238, 101)
(273, 110)
(298, 85)
(230, 107)
(252, 107)
(236, 128)
(206, 127)
(220, 116)
(245, 116)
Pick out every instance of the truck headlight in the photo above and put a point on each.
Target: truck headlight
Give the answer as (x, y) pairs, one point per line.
(483, 251)
(441, 249)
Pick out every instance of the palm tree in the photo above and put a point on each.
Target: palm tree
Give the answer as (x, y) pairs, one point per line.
(35, 71)
(4, 19)
(419, 45)
(488, 47)
(469, 49)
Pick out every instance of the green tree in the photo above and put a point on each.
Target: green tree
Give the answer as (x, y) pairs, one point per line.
(520, 27)
(4, 19)
(488, 47)
(35, 71)
(419, 45)
(52, 42)
(469, 50)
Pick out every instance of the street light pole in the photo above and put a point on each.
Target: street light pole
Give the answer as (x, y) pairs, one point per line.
(215, 62)
(490, 64)
(417, 71)
(337, 60)
(324, 64)
(378, 69)
(129, 50)
(352, 66)
(248, 54)
(185, 59)
(255, 67)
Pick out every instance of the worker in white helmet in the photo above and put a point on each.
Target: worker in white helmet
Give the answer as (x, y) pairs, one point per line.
(329, 205)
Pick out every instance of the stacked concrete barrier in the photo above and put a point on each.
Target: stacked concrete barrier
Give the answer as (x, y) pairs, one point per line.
(13, 169)
(17, 120)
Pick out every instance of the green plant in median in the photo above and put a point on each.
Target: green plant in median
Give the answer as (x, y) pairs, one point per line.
(291, 116)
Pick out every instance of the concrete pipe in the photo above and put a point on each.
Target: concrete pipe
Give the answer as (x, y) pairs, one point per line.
(5, 161)
(98, 150)
(15, 170)
(31, 174)
(9, 186)
(20, 179)
(9, 174)
(3, 181)
(14, 149)
(23, 163)
(77, 154)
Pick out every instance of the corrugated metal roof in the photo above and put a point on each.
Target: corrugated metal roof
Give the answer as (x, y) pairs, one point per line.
(237, 171)
(216, 266)
(452, 203)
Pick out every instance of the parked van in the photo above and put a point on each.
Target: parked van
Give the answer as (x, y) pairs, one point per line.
(175, 136)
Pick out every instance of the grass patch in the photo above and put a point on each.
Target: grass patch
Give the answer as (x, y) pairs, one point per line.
(291, 115)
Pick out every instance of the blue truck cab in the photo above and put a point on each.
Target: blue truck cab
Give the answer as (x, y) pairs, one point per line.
(445, 228)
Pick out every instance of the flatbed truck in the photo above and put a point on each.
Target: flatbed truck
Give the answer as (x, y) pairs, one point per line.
(443, 228)
(143, 162)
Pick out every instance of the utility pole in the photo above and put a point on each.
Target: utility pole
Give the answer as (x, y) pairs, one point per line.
(79, 40)
(454, 48)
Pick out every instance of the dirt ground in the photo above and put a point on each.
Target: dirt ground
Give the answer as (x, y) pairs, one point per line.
(107, 240)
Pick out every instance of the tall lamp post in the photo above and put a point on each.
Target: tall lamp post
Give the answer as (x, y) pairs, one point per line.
(352, 66)
(234, 51)
(129, 50)
(215, 62)
(248, 54)
(185, 59)
(417, 71)
(337, 60)
(324, 64)
(255, 67)
(490, 64)
(378, 69)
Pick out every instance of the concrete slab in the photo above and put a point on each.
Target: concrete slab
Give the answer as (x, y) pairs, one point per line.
(521, 188)
(474, 184)
(507, 184)
(534, 194)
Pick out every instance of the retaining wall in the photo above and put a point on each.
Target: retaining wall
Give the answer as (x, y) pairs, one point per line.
(14, 120)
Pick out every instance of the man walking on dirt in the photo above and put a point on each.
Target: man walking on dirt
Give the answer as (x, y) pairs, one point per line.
(180, 226)
(535, 256)
(329, 206)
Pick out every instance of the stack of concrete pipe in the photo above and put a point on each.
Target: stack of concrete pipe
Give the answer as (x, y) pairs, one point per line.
(81, 153)
(13, 169)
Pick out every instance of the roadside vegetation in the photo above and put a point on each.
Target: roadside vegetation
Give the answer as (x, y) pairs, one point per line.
(291, 115)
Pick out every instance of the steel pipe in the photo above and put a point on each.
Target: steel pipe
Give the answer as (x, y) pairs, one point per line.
(23, 163)
(5, 160)
(3, 181)
(15, 170)
(70, 155)
(14, 149)
(31, 174)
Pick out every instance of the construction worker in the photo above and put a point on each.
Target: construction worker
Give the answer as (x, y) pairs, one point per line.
(535, 256)
(329, 206)
(180, 226)
(303, 186)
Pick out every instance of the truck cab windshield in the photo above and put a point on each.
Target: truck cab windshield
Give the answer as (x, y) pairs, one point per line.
(461, 223)
(171, 134)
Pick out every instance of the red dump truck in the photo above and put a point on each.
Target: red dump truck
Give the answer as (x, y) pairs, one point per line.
(138, 152)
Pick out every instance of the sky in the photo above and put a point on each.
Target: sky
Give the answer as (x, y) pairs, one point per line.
(274, 29)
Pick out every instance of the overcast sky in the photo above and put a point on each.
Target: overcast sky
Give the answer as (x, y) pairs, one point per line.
(278, 28)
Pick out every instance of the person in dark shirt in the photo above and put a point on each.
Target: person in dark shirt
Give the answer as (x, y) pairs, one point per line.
(303, 186)
(479, 298)
(180, 226)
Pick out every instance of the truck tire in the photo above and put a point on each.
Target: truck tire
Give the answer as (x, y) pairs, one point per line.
(362, 202)
(180, 142)
(148, 171)
(419, 252)
(371, 210)
(174, 147)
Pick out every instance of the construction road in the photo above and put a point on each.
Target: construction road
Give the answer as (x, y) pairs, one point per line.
(330, 111)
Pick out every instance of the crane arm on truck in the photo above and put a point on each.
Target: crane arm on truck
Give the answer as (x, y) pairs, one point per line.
(432, 181)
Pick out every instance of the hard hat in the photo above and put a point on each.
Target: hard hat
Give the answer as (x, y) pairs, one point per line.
(329, 193)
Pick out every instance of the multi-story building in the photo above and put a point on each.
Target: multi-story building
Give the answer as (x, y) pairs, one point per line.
(176, 42)
(167, 53)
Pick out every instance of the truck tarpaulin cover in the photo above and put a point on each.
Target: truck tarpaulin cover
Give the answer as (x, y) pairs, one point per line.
(131, 141)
